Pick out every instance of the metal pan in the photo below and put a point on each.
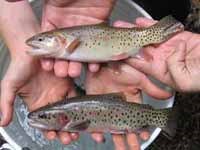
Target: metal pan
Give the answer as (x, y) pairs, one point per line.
(20, 135)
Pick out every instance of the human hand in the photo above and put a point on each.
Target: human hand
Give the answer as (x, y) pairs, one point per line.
(24, 75)
(121, 77)
(174, 62)
(37, 88)
(66, 13)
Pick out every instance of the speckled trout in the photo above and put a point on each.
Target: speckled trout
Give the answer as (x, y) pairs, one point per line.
(100, 113)
(100, 42)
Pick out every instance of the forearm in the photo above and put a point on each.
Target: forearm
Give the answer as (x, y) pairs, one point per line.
(17, 23)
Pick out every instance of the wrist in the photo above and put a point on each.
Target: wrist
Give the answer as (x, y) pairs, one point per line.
(15, 30)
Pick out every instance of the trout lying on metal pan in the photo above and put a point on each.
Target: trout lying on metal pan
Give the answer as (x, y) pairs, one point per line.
(100, 43)
(101, 113)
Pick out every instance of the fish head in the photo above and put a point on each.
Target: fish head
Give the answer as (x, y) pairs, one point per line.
(68, 119)
(51, 44)
(48, 120)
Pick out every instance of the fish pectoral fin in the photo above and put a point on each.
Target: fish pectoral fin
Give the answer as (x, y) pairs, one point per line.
(70, 42)
(80, 126)
(72, 46)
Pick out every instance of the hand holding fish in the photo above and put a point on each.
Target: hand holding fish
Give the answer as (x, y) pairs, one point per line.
(121, 77)
(66, 13)
(177, 60)
(24, 75)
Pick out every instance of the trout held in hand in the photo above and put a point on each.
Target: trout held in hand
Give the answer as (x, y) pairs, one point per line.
(100, 43)
(101, 113)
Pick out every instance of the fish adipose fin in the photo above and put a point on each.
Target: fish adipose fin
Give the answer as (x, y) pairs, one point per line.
(163, 30)
(170, 130)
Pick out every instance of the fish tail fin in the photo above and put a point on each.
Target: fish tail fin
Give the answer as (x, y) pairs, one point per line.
(164, 29)
(171, 126)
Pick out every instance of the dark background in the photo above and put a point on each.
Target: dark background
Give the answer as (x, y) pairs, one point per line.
(160, 8)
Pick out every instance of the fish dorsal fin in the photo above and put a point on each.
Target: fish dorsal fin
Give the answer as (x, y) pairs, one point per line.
(114, 97)
(80, 126)
(103, 24)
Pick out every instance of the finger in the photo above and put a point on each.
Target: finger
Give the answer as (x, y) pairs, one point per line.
(176, 64)
(50, 135)
(177, 58)
(154, 91)
(74, 136)
(47, 64)
(46, 25)
(74, 69)
(98, 137)
(94, 67)
(119, 142)
(133, 142)
(61, 68)
(141, 65)
(65, 137)
(144, 135)
(146, 85)
(6, 103)
(120, 23)
(144, 22)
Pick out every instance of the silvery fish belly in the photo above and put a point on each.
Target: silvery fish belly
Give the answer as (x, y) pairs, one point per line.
(99, 113)
(100, 43)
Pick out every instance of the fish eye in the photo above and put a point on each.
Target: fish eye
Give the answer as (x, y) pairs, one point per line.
(42, 116)
(40, 39)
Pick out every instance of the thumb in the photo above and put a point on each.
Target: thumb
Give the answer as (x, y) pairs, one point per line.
(154, 91)
(6, 103)
(141, 65)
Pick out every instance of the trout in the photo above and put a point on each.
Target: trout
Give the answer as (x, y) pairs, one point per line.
(100, 42)
(101, 113)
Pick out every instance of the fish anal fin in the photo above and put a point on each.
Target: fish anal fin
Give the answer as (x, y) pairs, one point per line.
(118, 96)
(81, 126)
(120, 56)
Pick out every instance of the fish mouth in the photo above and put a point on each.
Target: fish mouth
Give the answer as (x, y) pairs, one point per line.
(37, 52)
(36, 48)
(35, 124)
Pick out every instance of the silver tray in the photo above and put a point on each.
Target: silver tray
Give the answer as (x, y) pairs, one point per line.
(20, 135)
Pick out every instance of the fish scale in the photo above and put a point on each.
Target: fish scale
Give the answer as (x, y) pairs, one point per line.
(100, 42)
(99, 113)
